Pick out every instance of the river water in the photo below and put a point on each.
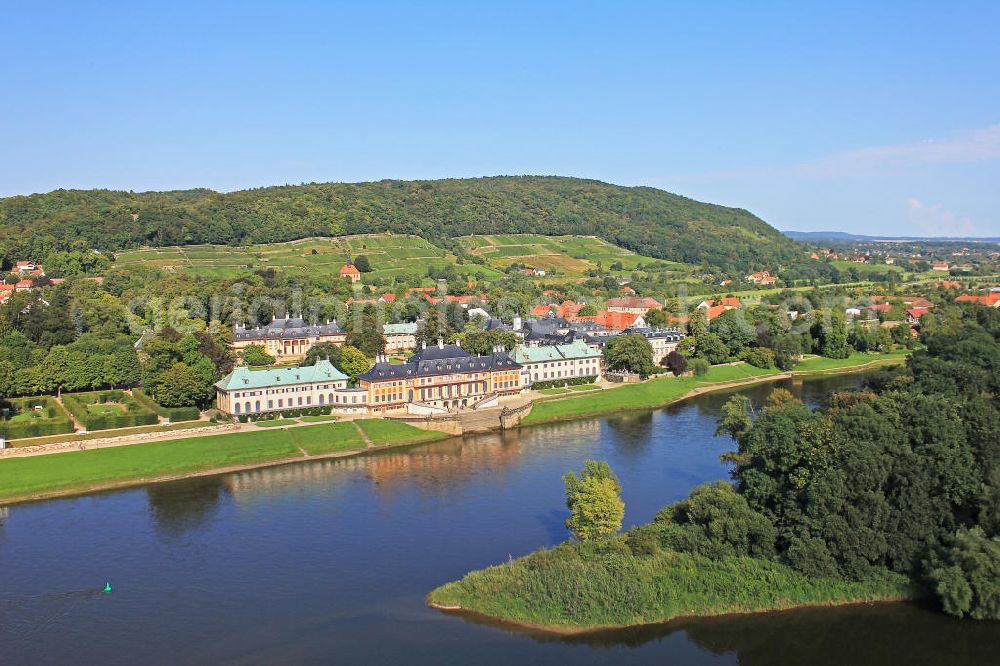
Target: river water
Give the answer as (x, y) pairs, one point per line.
(329, 561)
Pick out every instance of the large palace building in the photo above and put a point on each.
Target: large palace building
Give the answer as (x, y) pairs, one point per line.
(246, 392)
(441, 377)
(287, 339)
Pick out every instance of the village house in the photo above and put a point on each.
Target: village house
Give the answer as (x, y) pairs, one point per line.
(549, 362)
(913, 315)
(614, 321)
(940, 265)
(762, 278)
(28, 268)
(566, 309)
(249, 392)
(729, 303)
(639, 305)
(442, 377)
(991, 300)
(351, 272)
(287, 339)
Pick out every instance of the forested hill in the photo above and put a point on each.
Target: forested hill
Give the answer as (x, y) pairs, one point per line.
(643, 219)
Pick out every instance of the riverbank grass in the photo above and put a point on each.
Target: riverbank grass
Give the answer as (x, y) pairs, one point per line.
(81, 471)
(579, 587)
(666, 389)
(387, 431)
(646, 395)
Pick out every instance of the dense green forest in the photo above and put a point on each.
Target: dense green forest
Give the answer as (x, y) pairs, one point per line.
(642, 219)
(892, 490)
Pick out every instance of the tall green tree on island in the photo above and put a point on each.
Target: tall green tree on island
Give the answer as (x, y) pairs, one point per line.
(594, 501)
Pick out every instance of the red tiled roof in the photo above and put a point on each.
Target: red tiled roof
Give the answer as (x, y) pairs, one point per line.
(714, 311)
(988, 299)
(917, 302)
(633, 302)
(349, 269)
(728, 302)
(613, 321)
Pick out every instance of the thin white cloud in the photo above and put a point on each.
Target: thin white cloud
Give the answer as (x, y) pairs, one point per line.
(977, 145)
(936, 220)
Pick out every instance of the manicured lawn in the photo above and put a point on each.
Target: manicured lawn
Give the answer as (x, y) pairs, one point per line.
(386, 431)
(646, 395)
(318, 419)
(553, 391)
(583, 387)
(822, 364)
(80, 470)
(105, 408)
(275, 423)
(327, 438)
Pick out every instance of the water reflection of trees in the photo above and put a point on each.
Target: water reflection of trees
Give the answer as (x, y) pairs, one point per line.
(870, 635)
(182, 506)
(430, 468)
(632, 432)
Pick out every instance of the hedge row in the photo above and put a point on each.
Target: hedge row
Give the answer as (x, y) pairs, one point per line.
(56, 421)
(569, 381)
(172, 413)
(286, 414)
(134, 415)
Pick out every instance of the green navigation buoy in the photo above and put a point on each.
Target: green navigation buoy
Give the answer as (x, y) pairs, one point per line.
(107, 587)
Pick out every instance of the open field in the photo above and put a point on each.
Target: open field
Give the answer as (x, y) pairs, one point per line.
(567, 256)
(389, 255)
(81, 471)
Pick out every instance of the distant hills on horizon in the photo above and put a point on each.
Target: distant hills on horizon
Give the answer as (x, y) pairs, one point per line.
(844, 237)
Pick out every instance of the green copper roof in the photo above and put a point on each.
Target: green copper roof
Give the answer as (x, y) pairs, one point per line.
(575, 349)
(245, 378)
(399, 329)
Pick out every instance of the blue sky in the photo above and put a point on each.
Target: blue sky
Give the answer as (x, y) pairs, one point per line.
(831, 116)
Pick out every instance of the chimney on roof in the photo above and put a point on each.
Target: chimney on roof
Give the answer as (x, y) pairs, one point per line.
(517, 323)
(459, 342)
(423, 344)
